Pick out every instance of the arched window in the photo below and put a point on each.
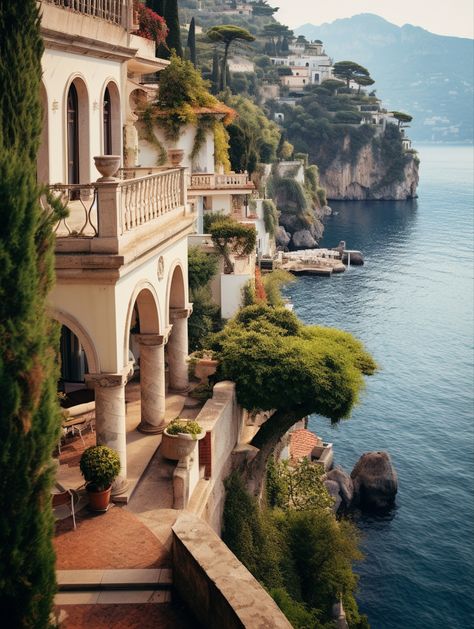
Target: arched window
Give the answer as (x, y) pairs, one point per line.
(73, 135)
(107, 123)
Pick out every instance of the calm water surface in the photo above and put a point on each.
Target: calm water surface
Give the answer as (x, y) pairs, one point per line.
(412, 305)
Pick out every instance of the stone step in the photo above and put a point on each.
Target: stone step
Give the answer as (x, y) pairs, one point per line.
(112, 597)
(124, 579)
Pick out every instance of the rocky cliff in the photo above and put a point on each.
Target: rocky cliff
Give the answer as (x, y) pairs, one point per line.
(369, 177)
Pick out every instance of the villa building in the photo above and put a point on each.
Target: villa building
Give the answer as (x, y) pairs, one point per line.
(121, 255)
(309, 65)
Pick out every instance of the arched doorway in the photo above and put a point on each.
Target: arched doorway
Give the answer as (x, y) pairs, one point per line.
(77, 133)
(111, 120)
(145, 347)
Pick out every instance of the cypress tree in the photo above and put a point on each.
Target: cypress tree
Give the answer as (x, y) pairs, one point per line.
(157, 6)
(29, 415)
(192, 41)
(215, 79)
(171, 16)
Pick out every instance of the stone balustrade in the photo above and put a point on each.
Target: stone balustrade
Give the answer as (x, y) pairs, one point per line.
(212, 181)
(104, 215)
(109, 10)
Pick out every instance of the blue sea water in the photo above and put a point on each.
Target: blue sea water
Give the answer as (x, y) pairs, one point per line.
(412, 305)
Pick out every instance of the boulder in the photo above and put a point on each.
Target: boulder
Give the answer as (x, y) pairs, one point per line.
(375, 480)
(333, 490)
(357, 259)
(282, 237)
(345, 484)
(302, 239)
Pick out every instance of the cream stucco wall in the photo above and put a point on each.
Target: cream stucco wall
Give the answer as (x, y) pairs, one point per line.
(203, 163)
(60, 69)
(103, 312)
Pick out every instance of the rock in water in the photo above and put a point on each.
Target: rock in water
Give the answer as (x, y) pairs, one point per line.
(282, 237)
(333, 491)
(345, 484)
(375, 480)
(302, 239)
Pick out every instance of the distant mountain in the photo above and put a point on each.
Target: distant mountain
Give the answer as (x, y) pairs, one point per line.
(428, 76)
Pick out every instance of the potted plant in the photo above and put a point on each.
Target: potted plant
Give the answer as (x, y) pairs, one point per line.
(179, 438)
(100, 466)
(204, 363)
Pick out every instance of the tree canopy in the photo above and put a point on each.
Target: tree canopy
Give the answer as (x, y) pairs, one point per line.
(349, 71)
(279, 363)
(226, 34)
(402, 117)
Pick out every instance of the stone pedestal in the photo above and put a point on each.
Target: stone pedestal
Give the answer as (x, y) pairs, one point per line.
(110, 420)
(178, 350)
(152, 383)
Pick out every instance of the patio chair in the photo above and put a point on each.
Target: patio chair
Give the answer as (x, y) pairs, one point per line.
(64, 498)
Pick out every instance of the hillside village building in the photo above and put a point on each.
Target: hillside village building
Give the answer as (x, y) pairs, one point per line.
(309, 65)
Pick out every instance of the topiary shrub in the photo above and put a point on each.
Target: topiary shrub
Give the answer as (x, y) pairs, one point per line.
(100, 466)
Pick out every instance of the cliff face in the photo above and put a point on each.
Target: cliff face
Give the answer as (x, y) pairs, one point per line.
(366, 177)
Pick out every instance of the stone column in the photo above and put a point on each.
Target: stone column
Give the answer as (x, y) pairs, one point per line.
(178, 350)
(152, 382)
(110, 420)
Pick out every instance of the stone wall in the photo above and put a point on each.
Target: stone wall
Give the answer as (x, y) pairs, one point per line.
(213, 583)
(223, 420)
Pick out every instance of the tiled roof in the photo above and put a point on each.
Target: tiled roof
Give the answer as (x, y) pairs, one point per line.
(302, 442)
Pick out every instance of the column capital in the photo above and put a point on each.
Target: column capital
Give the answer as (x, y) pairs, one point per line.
(154, 339)
(180, 313)
(109, 379)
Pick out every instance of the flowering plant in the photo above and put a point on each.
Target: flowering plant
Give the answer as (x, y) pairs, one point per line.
(151, 25)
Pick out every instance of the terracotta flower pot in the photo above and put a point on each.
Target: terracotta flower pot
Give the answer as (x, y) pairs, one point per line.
(99, 500)
(107, 165)
(176, 447)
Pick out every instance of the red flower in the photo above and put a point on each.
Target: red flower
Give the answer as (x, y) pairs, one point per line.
(151, 25)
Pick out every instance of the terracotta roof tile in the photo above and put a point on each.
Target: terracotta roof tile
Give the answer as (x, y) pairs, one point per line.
(302, 442)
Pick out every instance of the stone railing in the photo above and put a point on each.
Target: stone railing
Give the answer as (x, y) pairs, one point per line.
(205, 181)
(150, 197)
(114, 208)
(110, 10)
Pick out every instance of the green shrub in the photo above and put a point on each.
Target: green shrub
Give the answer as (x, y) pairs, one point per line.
(202, 267)
(270, 217)
(100, 466)
(177, 426)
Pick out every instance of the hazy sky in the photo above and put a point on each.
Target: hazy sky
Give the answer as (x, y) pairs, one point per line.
(452, 17)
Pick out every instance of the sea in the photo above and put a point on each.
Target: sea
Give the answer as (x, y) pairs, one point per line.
(412, 306)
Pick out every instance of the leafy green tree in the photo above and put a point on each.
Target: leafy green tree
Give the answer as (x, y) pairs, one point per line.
(202, 267)
(332, 85)
(363, 81)
(29, 418)
(232, 238)
(226, 35)
(192, 41)
(349, 71)
(215, 76)
(402, 118)
(302, 486)
(279, 363)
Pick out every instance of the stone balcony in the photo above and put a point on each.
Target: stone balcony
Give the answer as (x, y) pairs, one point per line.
(121, 219)
(205, 183)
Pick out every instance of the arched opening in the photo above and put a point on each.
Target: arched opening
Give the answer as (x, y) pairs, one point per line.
(42, 161)
(177, 346)
(107, 123)
(77, 133)
(72, 135)
(111, 120)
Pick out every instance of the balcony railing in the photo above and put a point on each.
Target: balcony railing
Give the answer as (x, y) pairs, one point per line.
(109, 10)
(116, 208)
(205, 181)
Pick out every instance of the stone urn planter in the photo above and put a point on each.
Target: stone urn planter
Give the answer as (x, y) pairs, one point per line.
(204, 368)
(175, 157)
(108, 166)
(177, 444)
